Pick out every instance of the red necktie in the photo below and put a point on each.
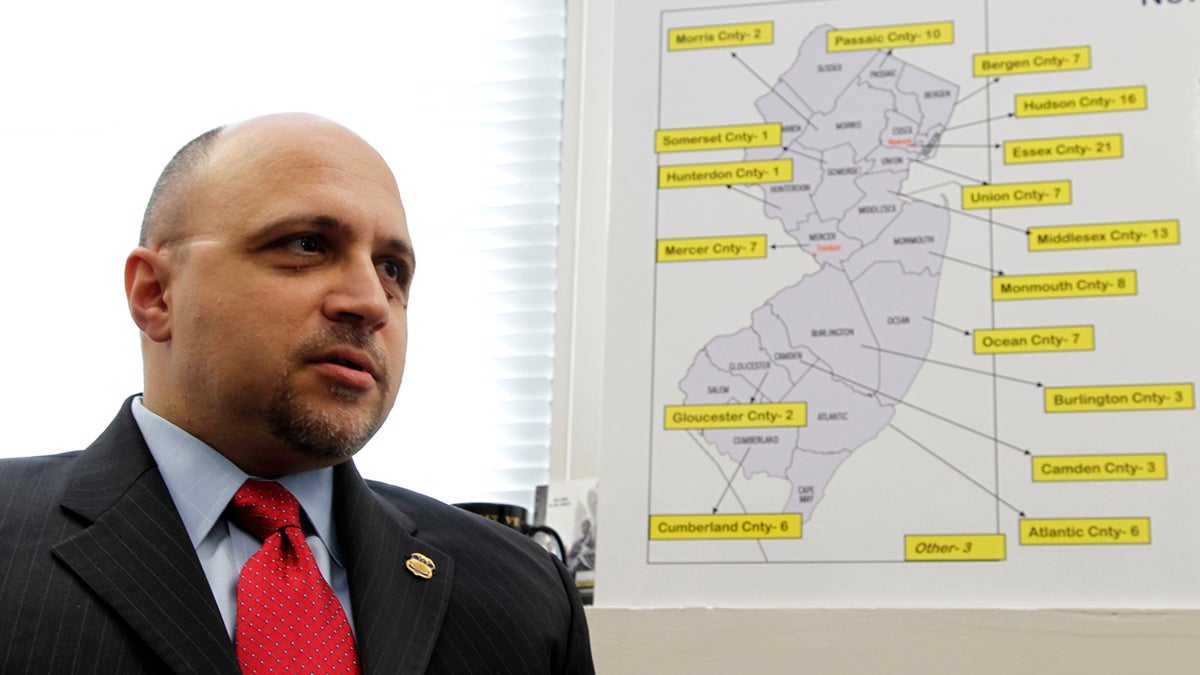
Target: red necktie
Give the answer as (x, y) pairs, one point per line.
(288, 618)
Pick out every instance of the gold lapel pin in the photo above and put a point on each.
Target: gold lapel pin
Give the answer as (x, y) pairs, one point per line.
(420, 565)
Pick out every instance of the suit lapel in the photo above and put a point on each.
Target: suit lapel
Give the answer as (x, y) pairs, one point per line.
(397, 614)
(136, 555)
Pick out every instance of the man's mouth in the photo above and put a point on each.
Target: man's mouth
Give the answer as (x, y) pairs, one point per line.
(347, 363)
(348, 367)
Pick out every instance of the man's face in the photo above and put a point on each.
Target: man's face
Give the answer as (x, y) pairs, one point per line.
(288, 290)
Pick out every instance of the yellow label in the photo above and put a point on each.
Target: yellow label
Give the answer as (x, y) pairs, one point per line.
(1106, 235)
(712, 248)
(1067, 149)
(1069, 285)
(1007, 195)
(729, 35)
(1075, 468)
(889, 37)
(1082, 101)
(1179, 396)
(726, 526)
(1033, 61)
(1049, 531)
(939, 547)
(725, 173)
(1029, 340)
(718, 138)
(736, 416)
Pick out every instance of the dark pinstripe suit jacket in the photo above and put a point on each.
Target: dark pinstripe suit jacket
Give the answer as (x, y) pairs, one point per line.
(97, 575)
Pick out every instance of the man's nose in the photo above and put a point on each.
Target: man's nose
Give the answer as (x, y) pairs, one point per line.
(357, 296)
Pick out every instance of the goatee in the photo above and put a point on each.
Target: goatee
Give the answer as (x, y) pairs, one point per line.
(330, 431)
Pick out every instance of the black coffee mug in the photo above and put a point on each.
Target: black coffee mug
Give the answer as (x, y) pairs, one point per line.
(515, 517)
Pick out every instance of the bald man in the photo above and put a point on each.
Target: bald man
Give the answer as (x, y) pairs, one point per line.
(270, 286)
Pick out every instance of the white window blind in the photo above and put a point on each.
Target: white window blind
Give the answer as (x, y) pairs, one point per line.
(463, 99)
(473, 418)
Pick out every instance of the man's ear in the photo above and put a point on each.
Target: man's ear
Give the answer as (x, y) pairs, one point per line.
(146, 290)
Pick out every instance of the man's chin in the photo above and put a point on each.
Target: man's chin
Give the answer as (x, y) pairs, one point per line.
(330, 429)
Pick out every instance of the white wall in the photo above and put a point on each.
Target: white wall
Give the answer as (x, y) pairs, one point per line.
(931, 642)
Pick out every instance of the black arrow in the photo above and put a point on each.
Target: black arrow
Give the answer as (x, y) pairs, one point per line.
(952, 173)
(985, 86)
(982, 121)
(731, 477)
(968, 214)
(800, 98)
(902, 402)
(772, 88)
(953, 365)
(998, 273)
(935, 186)
(751, 196)
(956, 328)
(758, 387)
(787, 246)
(956, 469)
(937, 146)
(788, 148)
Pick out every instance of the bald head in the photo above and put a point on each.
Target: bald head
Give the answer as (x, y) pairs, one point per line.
(204, 156)
(168, 197)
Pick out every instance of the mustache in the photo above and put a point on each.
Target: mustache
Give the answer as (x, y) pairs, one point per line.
(344, 335)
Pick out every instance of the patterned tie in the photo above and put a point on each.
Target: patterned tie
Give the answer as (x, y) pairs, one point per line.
(288, 618)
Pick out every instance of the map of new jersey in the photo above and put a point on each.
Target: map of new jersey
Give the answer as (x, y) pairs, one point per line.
(807, 392)
(853, 123)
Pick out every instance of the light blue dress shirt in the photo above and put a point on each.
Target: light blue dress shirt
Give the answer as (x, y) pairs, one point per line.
(202, 481)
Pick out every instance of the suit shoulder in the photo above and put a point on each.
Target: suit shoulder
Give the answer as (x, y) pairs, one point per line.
(503, 580)
(22, 473)
(31, 489)
(433, 514)
(462, 533)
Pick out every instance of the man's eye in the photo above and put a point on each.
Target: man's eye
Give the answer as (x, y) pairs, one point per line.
(308, 244)
(392, 270)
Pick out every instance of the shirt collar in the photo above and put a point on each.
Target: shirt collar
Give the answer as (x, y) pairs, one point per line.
(201, 481)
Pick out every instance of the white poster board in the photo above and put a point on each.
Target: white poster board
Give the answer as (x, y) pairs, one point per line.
(899, 305)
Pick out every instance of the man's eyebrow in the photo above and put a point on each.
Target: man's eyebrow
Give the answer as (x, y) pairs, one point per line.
(327, 224)
(331, 225)
(400, 249)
